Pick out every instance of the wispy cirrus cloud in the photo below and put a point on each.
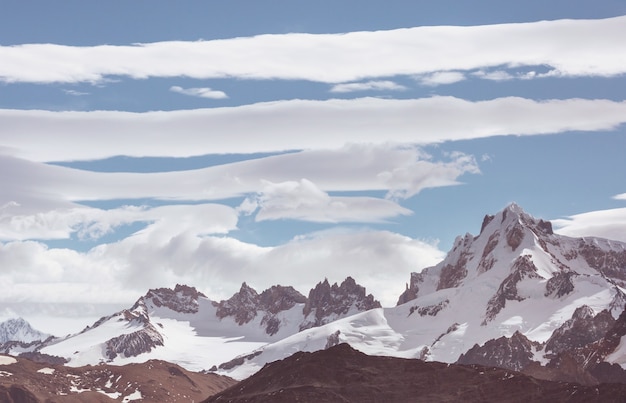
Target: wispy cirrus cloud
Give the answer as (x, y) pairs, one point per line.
(40, 200)
(93, 223)
(569, 48)
(293, 125)
(200, 92)
(621, 196)
(303, 200)
(607, 224)
(367, 86)
(441, 78)
(75, 93)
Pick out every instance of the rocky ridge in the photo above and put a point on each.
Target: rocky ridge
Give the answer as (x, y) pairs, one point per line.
(17, 329)
(246, 304)
(343, 374)
(140, 330)
(26, 381)
(517, 295)
(327, 303)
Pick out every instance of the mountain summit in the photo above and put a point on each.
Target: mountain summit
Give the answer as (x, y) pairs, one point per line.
(183, 326)
(517, 255)
(516, 294)
(19, 330)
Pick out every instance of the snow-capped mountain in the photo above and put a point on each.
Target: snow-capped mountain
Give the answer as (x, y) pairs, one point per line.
(516, 286)
(183, 326)
(516, 295)
(19, 330)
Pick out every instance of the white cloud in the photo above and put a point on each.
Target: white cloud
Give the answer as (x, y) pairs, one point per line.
(291, 125)
(570, 47)
(407, 181)
(367, 86)
(608, 224)
(496, 75)
(621, 196)
(200, 92)
(303, 200)
(92, 223)
(441, 78)
(122, 271)
(39, 200)
(75, 93)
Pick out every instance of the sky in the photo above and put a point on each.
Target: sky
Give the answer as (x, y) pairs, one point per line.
(146, 144)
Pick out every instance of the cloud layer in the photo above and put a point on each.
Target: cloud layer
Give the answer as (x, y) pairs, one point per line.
(607, 224)
(200, 92)
(293, 125)
(217, 265)
(331, 156)
(568, 47)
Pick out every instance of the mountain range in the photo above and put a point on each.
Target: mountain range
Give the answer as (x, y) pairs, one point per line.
(515, 296)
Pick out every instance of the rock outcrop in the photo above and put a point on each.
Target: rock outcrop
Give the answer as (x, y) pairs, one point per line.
(326, 303)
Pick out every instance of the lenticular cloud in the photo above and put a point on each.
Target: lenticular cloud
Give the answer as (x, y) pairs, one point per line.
(570, 48)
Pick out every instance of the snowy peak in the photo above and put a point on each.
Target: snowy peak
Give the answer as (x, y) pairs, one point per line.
(516, 225)
(513, 246)
(324, 304)
(19, 330)
(583, 328)
(242, 306)
(182, 299)
(246, 304)
(514, 353)
(278, 298)
(327, 303)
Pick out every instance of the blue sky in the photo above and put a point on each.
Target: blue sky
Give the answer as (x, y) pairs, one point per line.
(209, 143)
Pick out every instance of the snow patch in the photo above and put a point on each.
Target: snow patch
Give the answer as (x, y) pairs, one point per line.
(6, 360)
(136, 395)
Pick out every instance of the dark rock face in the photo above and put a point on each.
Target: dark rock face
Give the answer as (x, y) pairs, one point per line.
(235, 362)
(610, 263)
(452, 275)
(246, 304)
(522, 268)
(134, 344)
(183, 299)
(332, 340)
(486, 220)
(275, 300)
(278, 298)
(515, 236)
(143, 340)
(576, 350)
(582, 329)
(594, 353)
(545, 227)
(342, 374)
(487, 261)
(412, 289)
(560, 284)
(242, 306)
(325, 301)
(514, 353)
(431, 310)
